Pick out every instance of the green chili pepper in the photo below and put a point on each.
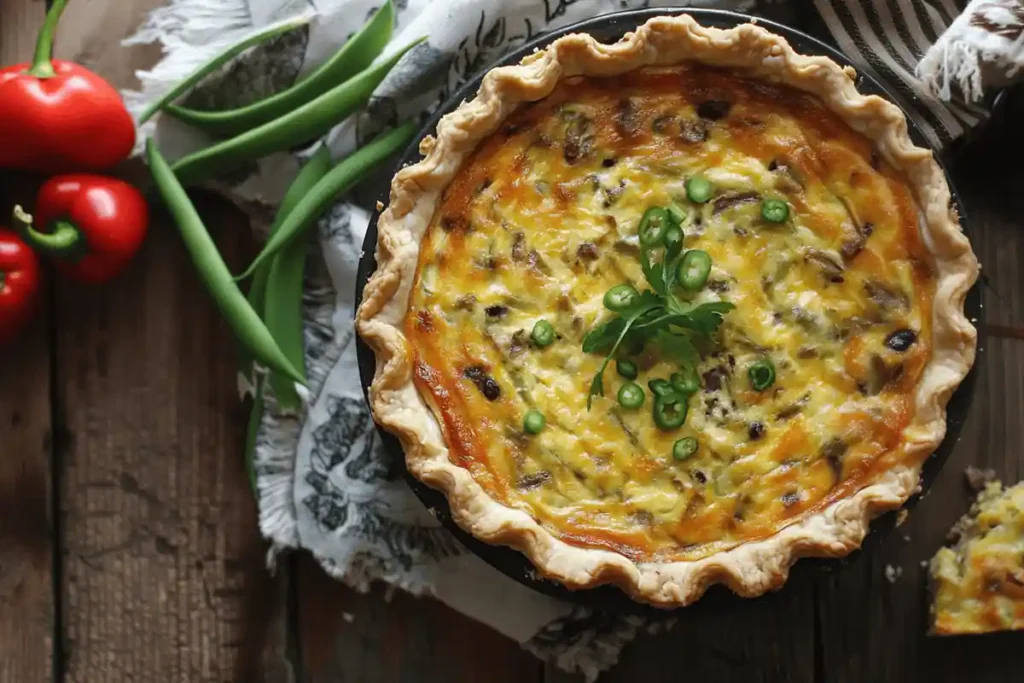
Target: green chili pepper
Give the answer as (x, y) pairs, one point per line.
(684, 448)
(652, 228)
(673, 236)
(317, 166)
(299, 126)
(761, 374)
(676, 213)
(694, 270)
(239, 315)
(282, 311)
(341, 178)
(620, 297)
(543, 333)
(661, 388)
(698, 189)
(355, 55)
(631, 395)
(534, 421)
(220, 60)
(774, 210)
(669, 415)
(626, 368)
(685, 383)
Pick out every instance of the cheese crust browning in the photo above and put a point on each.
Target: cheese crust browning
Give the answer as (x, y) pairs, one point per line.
(525, 208)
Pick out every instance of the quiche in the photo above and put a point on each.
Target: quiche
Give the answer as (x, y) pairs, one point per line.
(669, 312)
(978, 583)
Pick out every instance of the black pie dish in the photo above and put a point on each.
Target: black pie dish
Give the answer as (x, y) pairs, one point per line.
(511, 562)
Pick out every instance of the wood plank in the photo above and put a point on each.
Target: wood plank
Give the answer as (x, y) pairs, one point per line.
(26, 533)
(91, 31)
(19, 22)
(163, 561)
(873, 628)
(347, 636)
(729, 640)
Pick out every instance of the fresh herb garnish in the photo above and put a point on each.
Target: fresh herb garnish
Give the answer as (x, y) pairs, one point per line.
(655, 314)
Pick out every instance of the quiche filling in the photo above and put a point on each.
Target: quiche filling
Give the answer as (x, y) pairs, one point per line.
(671, 312)
(979, 584)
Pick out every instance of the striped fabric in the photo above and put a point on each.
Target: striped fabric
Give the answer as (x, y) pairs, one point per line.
(888, 38)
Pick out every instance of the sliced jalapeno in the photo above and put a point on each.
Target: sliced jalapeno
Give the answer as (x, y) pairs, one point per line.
(761, 374)
(620, 297)
(626, 368)
(774, 210)
(685, 383)
(673, 237)
(631, 396)
(694, 270)
(661, 388)
(684, 448)
(669, 416)
(698, 189)
(652, 226)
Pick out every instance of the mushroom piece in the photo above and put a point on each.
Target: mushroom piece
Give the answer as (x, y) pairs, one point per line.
(694, 131)
(579, 137)
(834, 450)
(729, 200)
(886, 297)
(627, 118)
(532, 481)
(662, 123)
(830, 269)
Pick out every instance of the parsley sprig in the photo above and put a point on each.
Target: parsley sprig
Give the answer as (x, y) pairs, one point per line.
(656, 314)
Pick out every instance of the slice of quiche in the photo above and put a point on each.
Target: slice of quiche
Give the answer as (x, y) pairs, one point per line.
(978, 582)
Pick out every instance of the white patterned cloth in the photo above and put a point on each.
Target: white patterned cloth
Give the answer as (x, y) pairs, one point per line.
(325, 483)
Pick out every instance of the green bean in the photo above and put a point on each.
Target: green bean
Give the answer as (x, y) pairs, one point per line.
(338, 181)
(220, 60)
(314, 169)
(283, 307)
(247, 378)
(255, 417)
(354, 56)
(301, 125)
(239, 315)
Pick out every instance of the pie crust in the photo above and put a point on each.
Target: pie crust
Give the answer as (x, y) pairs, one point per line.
(750, 568)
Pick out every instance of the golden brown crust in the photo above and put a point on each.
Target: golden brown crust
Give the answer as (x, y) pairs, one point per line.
(749, 569)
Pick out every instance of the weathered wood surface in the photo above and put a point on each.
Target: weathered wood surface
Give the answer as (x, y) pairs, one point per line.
(26, 520)
(162, 562)
(128, 544)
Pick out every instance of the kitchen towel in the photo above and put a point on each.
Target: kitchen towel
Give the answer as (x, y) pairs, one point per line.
(325, 484)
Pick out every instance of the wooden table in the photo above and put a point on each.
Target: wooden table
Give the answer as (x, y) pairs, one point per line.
(128, 542)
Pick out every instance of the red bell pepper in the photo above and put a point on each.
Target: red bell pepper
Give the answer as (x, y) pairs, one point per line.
(57, 116)
(19, 284)
(91, 225)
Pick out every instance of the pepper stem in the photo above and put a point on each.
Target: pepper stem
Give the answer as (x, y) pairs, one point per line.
(63, 240)
(42, 66)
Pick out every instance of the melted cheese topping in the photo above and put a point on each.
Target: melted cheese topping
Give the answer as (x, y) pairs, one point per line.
(979, 585)
(542, 220)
